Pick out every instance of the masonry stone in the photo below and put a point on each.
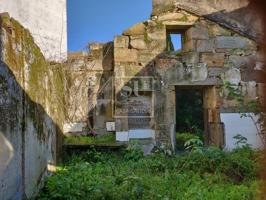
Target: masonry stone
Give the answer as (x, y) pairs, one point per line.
(217, 30)
(157, 35)
(121, 42)
(138, 29)
(233, 75)
(171, 16)
(189, 45)
(199, 72)
(226, 42)
(190, 57)
(138, 43)
(126, 55)
(242, 61)
(200, 33)
(213, 59)
(205, 46)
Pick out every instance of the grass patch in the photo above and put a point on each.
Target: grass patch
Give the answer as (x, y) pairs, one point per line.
(102, 139)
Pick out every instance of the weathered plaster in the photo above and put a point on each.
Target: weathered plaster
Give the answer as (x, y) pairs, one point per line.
(32, 112)
(46, 21)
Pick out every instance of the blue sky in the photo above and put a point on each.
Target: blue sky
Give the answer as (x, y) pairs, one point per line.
(101, 20)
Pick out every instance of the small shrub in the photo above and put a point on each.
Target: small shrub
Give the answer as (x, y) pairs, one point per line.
(209, 174)
(194, 144)
(93, 155)
(181, 138)
(133, 152)
(163, 149)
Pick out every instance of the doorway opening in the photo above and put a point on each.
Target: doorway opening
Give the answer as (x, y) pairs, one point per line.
(189, 115)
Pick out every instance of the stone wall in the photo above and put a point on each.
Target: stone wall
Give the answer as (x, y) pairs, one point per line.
(31, 99)
(238, 15)
(146, 72)
(89, 90)
(46, 21)
(211, 54)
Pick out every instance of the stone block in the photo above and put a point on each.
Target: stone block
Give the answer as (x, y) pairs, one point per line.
(242, 61)
(205, 45)
(145, 57)
(161, 6)
(213, 59)
(228, 42)
(190, 57)
(156, 47)
(200, 33)
(157, 35)
(232, 75)
(133, 70)
(216, 71)
(177, 23)
(121, 42)
(216, 30)
(125, 55)
(172, 16)
(137, 29)
(199, 72)
(189, 45)
(138, 43)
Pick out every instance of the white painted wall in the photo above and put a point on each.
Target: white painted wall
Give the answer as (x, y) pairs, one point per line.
(234, 125)
(125, 136)
(47, 22)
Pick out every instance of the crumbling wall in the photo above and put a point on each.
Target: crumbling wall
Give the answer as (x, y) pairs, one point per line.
(239, 15)
(31, 99)
(216, 47)
(89, 89)
(211, 54)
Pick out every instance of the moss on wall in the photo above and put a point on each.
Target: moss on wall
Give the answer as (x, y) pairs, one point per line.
(42, 83)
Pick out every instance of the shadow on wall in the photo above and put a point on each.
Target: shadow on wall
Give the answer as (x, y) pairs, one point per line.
(29, 136)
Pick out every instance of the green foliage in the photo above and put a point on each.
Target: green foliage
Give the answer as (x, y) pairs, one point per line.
(209, 174)
(182, 138)
(163, 149)
(240, 140)
(133, 152)
(90, 139)
(235, 93)
(247, 106)
(194, 144)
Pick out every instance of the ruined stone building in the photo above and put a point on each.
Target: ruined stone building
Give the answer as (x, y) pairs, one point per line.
(130, 86)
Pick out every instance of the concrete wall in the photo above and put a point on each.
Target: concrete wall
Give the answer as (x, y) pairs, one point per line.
(32, 112)
(47, 22)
